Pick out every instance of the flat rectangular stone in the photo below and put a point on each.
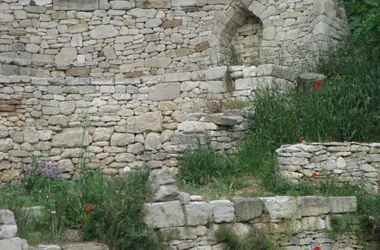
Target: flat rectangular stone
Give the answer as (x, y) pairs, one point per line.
(165, 214)
(248, 209)
(75, 4)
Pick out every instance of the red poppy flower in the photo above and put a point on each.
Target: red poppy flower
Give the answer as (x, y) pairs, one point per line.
(318, 85)
(317, 248)
(314, 174)
(90, 207)
(302, 139)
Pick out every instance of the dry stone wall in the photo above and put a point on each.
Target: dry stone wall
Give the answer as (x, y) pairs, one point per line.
(128, 122)
(8, 231)
(131, 38)
(348, 162)
(298, 222)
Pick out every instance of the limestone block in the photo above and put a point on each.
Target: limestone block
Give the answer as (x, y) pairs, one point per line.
(167, 106)
(248, 209)
(152, 141)
(165, 214)
(314, 206)
(176, 77)
(78, 28)
(60, 120)
(282, 72)
(30, 135)
(222, 210)
(246, 84)
(172, 23)
(152, 23)
(198, 213)
(343, 204)
(216, 73)
(75, 4)
(224, 120)
(136, 148)
(43, 2)
(122, 5)
(164, 91)
(66, 55)
(7, 217)
(67, 108)
(6, 18)
(313, 223)
(137, 12)
(11, 244)
(122, 139)
(184, 3)
(191, 126)
(158, 62)
(104, 31)
(125, 157)
(280, 206)
(150, 121)
(8, 231)
(71, 138)
(216, 87)
(153, 4)
(3, 131)
(166, 193)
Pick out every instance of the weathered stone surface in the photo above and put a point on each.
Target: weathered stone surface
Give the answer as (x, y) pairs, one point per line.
(224, 120)
(7, 217)
(11, 244)
(122, 5)
(75, 5)
(313, 206)
(248, 209)
(166, 193)
(122, 139)
(280, 206)
(152, 141)
(172, 23)
(165, 214)
(71, 138)
(158, 62)
(343, 204)
(102, 133)
(191, 126)
(164, 91)
(150, 121)
(66, 55)
(8, 231)
(223, 211)
(78, 71)
(104, 31)
(153, 4)
(198, 213)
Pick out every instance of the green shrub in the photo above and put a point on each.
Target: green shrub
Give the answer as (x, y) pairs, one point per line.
(364, 19)
(204, 164)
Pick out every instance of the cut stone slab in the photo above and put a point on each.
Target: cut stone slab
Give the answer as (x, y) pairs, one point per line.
(224, 120)
(198, 213)
(150, 121)
(165, 214)
(71, 138)
(66, 55)
(166, 193)
(248, 209)
(11, 244)
(312, 206)
(104, 31)
(164, 91)
(75, 4)
(280, 206)
(223, 211)
(153, 4)
(343, 204)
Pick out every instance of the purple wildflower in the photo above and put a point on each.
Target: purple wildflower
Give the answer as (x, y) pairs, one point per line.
(45, 168)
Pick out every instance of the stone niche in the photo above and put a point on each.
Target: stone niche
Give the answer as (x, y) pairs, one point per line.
(76, 4)
(247, 40)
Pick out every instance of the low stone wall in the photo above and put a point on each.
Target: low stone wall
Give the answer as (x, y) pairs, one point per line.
(298, 222)
(8, 231)
(348, 162)
(129, 122)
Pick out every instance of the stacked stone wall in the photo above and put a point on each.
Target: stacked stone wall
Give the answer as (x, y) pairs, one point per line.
(296, 222)
(127, 122)
(148, 37)
(348, 162)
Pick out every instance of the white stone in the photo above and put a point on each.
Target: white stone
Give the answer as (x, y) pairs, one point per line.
(198, 213)
(152, 141)
(165, 214)
(223, 211)
(66, 55)
(280, 207)
(191, 126)
(104, 31)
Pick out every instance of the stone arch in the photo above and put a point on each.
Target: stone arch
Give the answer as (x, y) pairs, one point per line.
(237, 33)
(243, 30)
